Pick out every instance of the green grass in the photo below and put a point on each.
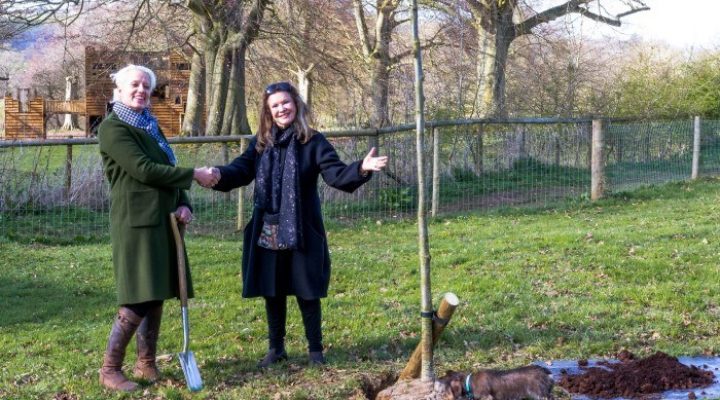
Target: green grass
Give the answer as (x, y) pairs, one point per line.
(637, 271)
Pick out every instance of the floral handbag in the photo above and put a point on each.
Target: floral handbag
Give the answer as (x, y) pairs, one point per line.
(269, 236)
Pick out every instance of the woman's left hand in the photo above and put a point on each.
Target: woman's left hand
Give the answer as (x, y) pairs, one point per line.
(372, 163)
(184, 215)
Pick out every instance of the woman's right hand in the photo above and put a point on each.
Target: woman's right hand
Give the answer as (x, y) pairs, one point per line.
(207, 176)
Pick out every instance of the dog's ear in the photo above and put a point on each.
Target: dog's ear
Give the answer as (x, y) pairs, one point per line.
(456, 387)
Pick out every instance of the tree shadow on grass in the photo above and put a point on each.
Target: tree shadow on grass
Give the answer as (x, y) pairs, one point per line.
(41, 300)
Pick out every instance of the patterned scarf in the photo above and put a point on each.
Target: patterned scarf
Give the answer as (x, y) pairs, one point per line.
(145, 121)
(277, 189)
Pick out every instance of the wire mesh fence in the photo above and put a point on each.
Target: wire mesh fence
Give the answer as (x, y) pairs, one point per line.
(58, 192)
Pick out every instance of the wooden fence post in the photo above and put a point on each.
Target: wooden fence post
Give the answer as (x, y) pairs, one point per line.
(225, 160)
(241, 197)
(435, 172)
(479, 152)
(444, 312)
(696, 149)
(68, 171)
(556, 142)
(597, 168)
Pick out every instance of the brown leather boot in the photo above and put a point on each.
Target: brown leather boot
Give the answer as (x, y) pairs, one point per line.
(111, 375)
(147, 338)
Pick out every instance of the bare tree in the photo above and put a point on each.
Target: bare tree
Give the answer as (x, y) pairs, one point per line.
(377, 53)
(224, 32)
(305, 38)
(499, 22)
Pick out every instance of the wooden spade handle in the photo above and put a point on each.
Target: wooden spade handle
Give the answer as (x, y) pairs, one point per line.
(180, 250)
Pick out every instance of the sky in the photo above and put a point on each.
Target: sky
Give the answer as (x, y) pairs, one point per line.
(684, 24)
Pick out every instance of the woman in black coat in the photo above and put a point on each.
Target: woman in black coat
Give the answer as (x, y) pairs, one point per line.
(285, 251)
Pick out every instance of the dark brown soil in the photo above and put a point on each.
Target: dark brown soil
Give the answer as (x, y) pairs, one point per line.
(635, 378)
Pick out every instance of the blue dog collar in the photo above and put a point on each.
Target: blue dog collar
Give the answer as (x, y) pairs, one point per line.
(468, 388)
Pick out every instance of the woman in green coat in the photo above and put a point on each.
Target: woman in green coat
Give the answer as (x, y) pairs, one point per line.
(145, 187)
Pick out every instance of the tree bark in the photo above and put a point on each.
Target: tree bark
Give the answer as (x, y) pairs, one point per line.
(235, 116)
(485, 75)
(220, 76)
(231, 95)
(305, 83)
(195, 101)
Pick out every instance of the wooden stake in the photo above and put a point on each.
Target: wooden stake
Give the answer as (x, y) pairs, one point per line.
(445, 311)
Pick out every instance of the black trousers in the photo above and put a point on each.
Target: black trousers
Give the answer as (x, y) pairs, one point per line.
(276, 309)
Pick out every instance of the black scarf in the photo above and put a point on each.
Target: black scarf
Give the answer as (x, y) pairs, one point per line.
(277, 189)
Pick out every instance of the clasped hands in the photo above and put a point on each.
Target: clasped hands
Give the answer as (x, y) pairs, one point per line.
(207, 176)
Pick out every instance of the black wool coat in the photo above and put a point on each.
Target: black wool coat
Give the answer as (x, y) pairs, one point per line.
(310, 269)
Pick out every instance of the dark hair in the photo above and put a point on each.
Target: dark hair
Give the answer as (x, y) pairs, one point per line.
(303, 132)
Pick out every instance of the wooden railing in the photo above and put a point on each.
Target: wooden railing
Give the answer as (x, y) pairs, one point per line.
(65, 106)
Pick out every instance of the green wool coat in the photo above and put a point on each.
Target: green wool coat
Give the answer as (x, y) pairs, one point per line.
(144, 189)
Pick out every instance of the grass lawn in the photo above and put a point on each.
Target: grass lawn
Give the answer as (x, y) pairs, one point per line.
(638, 271)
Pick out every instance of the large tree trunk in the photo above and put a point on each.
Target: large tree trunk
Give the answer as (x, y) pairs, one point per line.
(380, 81)
(380, 89)
(226, 35)
(241, 123)
(235, 116)
(216, 109)
(492, 63)
(193, 122)
(305, 83)
(484, 101)
(210, 55)
(231, 96)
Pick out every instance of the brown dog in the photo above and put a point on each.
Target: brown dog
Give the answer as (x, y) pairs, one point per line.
(531, 382)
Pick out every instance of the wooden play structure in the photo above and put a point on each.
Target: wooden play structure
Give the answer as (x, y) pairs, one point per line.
(26, 118)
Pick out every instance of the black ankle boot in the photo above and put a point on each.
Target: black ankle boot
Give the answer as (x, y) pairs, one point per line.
(317, 358)
(272, 357)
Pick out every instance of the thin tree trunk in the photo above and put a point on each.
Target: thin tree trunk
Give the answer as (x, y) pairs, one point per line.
(70, 120)
(427, 370)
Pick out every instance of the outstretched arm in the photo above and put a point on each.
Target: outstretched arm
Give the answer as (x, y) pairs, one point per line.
(373, 163)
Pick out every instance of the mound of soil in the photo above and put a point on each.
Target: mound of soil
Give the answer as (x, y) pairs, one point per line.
(635, 378)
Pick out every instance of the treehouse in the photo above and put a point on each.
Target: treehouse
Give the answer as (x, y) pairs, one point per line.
(26, 118)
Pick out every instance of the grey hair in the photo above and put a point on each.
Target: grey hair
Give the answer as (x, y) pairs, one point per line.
(120, 77)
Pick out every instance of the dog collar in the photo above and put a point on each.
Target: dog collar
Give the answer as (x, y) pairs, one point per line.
(468, 388)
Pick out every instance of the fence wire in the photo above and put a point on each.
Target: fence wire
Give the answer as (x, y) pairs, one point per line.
(59, 194)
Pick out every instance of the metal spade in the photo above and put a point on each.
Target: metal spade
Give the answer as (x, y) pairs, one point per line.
(187, 359)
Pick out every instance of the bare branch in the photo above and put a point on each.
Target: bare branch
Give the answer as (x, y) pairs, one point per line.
(573, 6)
(362, 28)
